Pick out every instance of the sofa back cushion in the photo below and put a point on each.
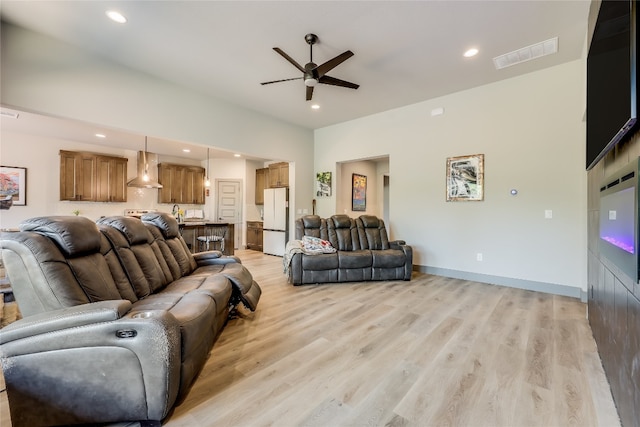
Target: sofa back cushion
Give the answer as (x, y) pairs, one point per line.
(342, 233)
(372, 233)
(143, 264)
(313, 226)
(171, 243)
(55, 262)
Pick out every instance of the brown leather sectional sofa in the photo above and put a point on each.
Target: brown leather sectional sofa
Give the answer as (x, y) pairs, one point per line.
(119, 318)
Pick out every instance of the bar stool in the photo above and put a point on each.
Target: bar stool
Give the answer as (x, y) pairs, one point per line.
(213, 234)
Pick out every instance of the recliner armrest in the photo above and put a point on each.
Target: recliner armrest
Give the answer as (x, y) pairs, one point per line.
(80, 315)
(397, 243)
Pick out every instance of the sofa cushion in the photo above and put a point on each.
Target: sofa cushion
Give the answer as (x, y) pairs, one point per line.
(74, 235)
(354, 259)
(320, 262)
(79, 242)
(388, 258)
(173, 247)
(144, 265)
(342, 233)
(372, 233)
(167, 225)
(311, 225)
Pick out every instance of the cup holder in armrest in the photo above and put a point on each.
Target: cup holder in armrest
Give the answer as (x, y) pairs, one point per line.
(143, 314)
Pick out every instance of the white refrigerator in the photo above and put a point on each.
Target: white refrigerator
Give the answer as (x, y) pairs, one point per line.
(276, 220)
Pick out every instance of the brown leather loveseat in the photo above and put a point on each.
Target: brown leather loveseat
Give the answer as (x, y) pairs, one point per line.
(119, 318)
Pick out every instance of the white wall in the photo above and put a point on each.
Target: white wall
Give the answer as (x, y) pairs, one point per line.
(40, 155)
(531, 132)
(42, 75)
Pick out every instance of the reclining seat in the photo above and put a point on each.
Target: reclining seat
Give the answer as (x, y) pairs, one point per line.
(201, 315)
(166, 233)
(317, 268)
(390, 260)
(354, 261)
(80, 354)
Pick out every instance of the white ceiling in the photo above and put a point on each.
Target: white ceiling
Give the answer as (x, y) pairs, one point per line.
(405, 51)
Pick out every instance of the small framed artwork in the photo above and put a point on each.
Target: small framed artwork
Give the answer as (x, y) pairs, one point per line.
(13, 183)
(465, 178)
(359, 192)
(323, 184)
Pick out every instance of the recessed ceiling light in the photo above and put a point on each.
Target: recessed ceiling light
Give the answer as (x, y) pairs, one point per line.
(315, 107)
(101, 135)
(186, 150)
(237, 155)
(471, 52)
(116, 16)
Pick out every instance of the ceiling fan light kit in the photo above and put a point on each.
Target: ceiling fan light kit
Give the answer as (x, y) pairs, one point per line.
(313, 74)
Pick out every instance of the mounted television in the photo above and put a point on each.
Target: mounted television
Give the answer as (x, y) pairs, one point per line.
(612, 96)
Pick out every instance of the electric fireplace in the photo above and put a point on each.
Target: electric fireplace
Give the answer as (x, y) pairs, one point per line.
(619, 219)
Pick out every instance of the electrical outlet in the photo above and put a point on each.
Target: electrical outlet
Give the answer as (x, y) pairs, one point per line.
(479, 256)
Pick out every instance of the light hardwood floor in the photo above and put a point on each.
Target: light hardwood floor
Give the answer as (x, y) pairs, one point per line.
(432, 351)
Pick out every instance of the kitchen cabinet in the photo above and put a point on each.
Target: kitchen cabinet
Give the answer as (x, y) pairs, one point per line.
(111, 179)
(262, 176)
(90, 177)
(254, 235)
(181, 184)
(279, 175)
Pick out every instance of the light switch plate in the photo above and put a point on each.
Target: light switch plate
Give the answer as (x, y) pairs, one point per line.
(548, 214)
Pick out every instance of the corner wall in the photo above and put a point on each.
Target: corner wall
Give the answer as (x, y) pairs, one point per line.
(532, 133)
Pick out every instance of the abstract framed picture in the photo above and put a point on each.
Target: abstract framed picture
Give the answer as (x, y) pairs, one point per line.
(465, 178)
(13, 183)
(323, 184)
(359, 192)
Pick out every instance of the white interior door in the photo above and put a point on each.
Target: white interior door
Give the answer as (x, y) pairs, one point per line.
(229, 206)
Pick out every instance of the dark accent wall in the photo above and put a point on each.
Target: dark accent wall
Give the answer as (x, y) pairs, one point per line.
(614, 298)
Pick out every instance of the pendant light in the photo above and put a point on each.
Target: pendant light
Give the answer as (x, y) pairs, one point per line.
(207, 183)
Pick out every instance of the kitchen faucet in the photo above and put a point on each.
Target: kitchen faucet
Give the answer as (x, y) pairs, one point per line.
(175, 211)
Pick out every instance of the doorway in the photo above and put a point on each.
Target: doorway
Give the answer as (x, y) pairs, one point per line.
(229, 206)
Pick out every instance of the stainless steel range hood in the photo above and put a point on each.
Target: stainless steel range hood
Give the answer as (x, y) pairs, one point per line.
(147, 171)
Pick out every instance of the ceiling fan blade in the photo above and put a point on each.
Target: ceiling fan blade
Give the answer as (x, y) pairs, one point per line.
(320, 70)
(309, 93)
(288, 58)
(337, 82)
(283, 80)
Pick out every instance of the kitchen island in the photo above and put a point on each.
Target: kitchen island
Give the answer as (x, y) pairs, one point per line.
(191, 229)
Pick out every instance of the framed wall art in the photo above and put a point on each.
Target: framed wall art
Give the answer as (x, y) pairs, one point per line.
(13, 182)
(323, 184)
(359, 192)
(465, 178)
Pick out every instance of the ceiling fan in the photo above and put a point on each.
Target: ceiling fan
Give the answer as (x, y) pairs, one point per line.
(314, 74)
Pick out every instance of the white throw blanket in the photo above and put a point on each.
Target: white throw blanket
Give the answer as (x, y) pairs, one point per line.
(308, 245)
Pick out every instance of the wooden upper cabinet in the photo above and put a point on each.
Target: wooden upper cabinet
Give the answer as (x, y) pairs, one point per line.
(262, 175)
(89, 177)
(279, 175)
(181, 184)
(111, 179)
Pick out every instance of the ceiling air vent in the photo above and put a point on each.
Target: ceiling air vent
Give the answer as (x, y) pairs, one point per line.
(525, 54)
